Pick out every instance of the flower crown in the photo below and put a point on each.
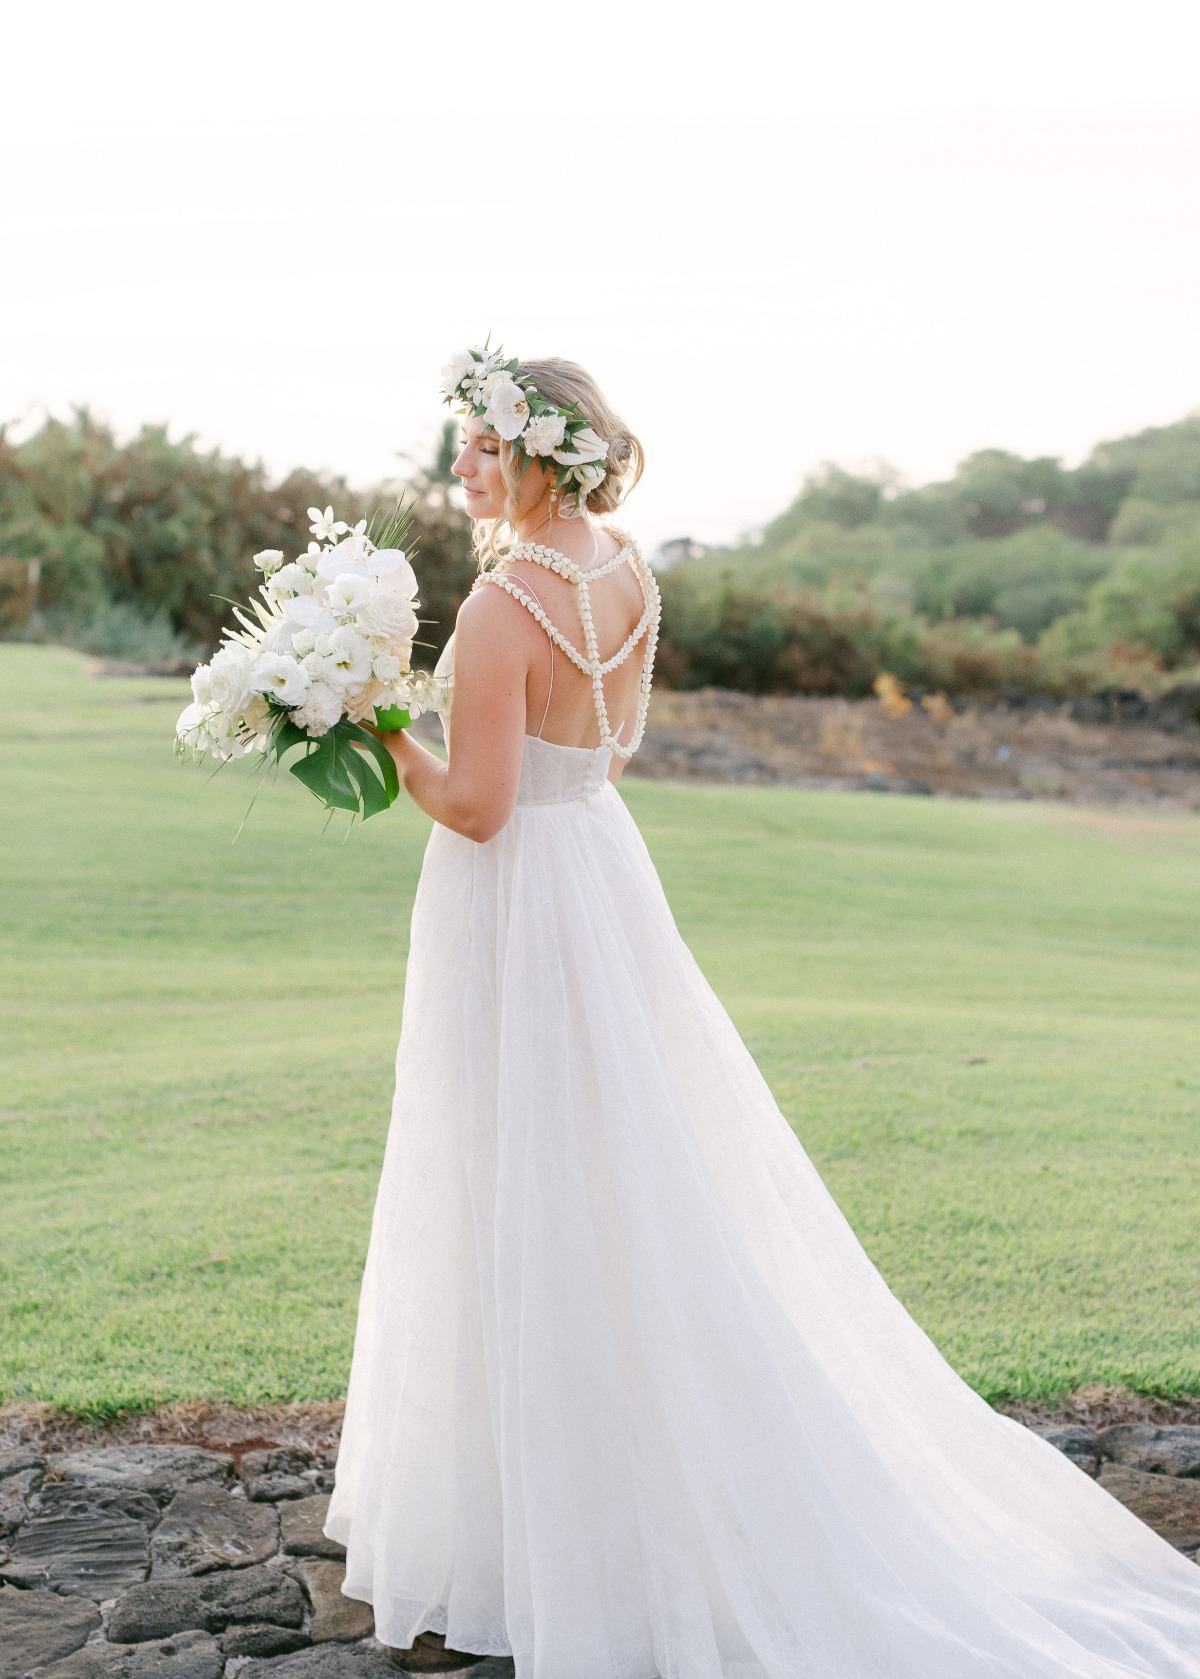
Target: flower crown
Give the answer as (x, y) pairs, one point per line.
(486, 383)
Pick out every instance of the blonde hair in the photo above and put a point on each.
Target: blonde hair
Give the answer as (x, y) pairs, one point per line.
(564, 383)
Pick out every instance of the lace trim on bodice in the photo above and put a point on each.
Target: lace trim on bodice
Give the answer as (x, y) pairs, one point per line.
(592, 665)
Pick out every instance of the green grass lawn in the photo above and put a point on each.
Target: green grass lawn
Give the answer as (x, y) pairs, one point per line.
(981, 1020)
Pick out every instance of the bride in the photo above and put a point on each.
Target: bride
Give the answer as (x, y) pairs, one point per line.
(628, 1398)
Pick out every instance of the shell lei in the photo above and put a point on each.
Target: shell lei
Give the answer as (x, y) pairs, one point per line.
(593, 666)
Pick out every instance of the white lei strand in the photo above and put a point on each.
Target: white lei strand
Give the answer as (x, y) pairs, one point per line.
(592, 666)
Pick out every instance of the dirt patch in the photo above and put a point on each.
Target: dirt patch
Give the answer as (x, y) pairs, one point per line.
(317, 1427)
(1042, 752)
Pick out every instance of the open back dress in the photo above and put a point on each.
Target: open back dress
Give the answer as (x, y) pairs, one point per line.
(628, 1398)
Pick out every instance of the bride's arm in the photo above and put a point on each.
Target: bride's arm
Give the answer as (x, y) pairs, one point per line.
(476, 791)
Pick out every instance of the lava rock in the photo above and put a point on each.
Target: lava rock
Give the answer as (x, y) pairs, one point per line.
(189, 1655)
(39, 1627)
(16, 1463)
(258, 1639)
(1159, 1451)
(16, 1491)
(83, 1543)
(328, 1661)
(160, 1471)
(211, 1602)
(301, 1526)
(1166, 1503)
(282, 1460)
(335, 1618)
(205, 1528)
(1074, 1441)
(268, 1489)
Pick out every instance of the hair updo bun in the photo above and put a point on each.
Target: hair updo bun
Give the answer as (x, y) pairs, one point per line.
(565, 383)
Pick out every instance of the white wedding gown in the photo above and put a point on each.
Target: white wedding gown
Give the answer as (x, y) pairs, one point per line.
(628, 1398)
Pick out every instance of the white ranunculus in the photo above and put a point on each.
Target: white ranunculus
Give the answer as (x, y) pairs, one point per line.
(543, 434)
(202, 685)
(348, 592)
(386, 667)
(229, 677)
(389, 616)
(583, 445)
(281, 678)
(291, 580)
(324, 526)
(349, 659)
(320, 711)
(269, 560)
(508, 407)
(455, 371)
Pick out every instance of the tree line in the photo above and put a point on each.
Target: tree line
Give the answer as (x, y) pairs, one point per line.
(1013, 574)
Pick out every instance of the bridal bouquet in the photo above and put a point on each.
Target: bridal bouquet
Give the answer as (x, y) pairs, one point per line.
(326, 649)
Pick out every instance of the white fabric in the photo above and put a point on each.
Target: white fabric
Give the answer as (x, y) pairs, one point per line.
(628, 1398)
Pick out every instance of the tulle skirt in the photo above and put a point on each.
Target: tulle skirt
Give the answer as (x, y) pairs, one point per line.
(628, 1398)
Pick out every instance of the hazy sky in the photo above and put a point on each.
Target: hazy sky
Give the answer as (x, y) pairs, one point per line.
(777, 234)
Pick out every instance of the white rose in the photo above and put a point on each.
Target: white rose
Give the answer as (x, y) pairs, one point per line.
(303, 641)
(269, 560)
(349, 660)
(456, 370)
(291, 580)
(280, 678)
(543, 434)
(386, 667)
(201, 685)
(508, 407)
(583, 445)
(320, 711)
(389, 616)
(229, 677)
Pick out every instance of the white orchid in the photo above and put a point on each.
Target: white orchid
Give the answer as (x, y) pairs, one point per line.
(308, 613)
(324, 526)
(280, 678)
(507, 407)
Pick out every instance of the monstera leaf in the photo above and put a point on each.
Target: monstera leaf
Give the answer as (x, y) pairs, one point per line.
(347, 769)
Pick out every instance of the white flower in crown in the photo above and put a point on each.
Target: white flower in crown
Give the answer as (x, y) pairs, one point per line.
(508, 408)
(458, 368)
(543, 434)
(583, 445)
(587, 477)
